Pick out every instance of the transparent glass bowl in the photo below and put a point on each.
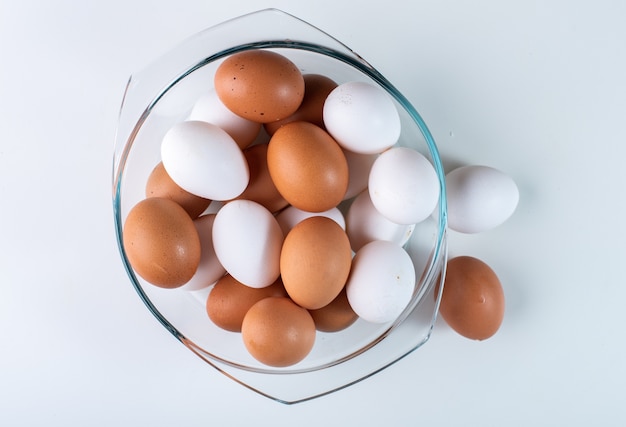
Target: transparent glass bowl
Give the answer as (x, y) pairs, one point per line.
(162, 95)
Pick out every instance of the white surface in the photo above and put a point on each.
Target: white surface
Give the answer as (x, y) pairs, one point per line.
(533, 88)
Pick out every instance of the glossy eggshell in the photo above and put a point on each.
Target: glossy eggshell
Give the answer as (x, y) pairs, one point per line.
(259, 85)
(315, 261)
(209, 269)
(362, 117)
(160, 184)
(479, 198)
(277, 332)
(336, 316)
(161, 242)
(209, 108)
(473, 299)
(204, 160)
(307, 166)
(381, 282)
(403, 185)
(316, 89)
(247, 241)
(261, 188)
(230, 300)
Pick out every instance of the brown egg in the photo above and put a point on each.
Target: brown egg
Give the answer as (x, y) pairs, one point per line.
(473, 300)
(161, 185)
(259, 85)
(278, 332)
(230, 300)
(161, 242)
(316, 89)
(336, 316)
(261, 188)
(315, 262)
(307, 166)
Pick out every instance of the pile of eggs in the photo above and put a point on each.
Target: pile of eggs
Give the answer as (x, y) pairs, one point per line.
(310, 222)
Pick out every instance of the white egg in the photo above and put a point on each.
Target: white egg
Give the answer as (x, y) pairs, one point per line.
(210, 269)
(209, 108)
(359, 166)
(290, 216)
(365, 224)
(403, 185)
(479, 198)
(362, 117)
(247, 241)
(381, 282)
(204, 160)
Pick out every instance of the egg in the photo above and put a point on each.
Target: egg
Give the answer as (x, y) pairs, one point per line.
(209, 268)
(472, 301)
(259, 85)
(277, 332)
(403, 185)
(335, 316)
(480, 198)
(316, 89)
(365, 224)
(160, 184)
(247, 241)
(359, 166)
(289, 217)
(204, 160)
(161, 242)
(307, 166)
(261, 188)
(362, 117)
(381, 282)
(315, 262)
(229, 301)
(209, 108)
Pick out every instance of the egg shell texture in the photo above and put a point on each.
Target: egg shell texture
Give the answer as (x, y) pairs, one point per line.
(209, 269)
(362, 117)
(247, 241)
(307, 166)
(261, 188)
(204, 160)
(229, 301)
(259, 85)
(364, 224)
(160, 184)
(403, 185)
(209, 108)
(278, 332)
(335, 316)
(472, 302)
(479, 198)
(381, 282)
(161, 242)
(316, 89)
(315, 262)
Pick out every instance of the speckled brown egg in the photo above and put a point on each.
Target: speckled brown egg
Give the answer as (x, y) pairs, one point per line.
(230, 300)
(316, 89)
(161, 242)
(473, 300)
(307, 166)
(261, 188)
(278, 332)
(160, 184)
(336, 316)
(315, 261)
(259, 85)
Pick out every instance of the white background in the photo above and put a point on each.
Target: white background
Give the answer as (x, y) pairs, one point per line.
(534, 88)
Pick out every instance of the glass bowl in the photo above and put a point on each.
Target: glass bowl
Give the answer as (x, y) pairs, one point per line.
(163, 94)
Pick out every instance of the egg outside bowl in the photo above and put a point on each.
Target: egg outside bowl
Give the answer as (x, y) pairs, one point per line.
(163, 94)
